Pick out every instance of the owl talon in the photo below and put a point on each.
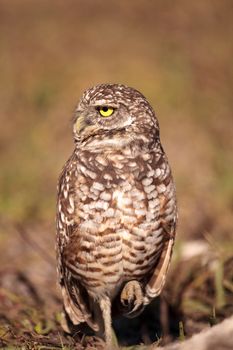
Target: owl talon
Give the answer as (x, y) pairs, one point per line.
(132, 298)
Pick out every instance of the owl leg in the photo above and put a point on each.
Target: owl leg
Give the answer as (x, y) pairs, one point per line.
(132, 298)
(105, 306)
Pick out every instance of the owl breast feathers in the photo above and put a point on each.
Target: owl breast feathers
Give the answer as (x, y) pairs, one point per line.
(116, 209)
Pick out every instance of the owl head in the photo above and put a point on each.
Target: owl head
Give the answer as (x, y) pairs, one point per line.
(113, 109)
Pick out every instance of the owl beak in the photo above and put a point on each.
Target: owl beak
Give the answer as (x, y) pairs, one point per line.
(80, 124)
(83, 126)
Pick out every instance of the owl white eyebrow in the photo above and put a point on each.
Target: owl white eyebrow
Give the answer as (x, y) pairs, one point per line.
(99, 102)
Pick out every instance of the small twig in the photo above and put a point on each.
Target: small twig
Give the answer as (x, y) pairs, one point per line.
(41, 251)
(31, 288)
(181, 331)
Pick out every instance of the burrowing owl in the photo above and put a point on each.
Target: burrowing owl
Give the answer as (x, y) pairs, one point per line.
(116, 209)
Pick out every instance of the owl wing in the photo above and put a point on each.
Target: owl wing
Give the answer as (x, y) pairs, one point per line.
(74, 296)
(168, 220)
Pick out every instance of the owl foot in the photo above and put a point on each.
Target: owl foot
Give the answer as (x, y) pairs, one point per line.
(132, 299)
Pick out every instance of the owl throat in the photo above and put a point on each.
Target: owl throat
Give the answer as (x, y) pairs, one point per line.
(120, 140)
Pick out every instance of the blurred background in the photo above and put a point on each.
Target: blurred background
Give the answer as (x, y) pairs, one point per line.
(177, 53)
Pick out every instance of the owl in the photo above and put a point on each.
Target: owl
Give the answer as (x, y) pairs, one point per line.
(116, 210)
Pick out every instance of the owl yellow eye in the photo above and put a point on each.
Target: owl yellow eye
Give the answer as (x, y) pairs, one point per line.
(105, 111)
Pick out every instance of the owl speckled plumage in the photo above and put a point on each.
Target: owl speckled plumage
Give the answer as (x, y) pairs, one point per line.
(116, 209)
